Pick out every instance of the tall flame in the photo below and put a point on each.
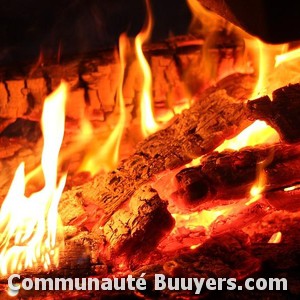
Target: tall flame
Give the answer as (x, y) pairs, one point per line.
(148, 122)
(105, 155)
(29, 224)
(267, 56)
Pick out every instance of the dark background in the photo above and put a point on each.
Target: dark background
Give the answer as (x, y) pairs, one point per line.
(75, 27)
(28, 27)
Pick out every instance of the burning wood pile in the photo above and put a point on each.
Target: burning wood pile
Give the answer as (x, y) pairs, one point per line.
(208, 184)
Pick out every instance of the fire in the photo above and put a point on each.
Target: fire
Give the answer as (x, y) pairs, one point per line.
(257, 133)
(209, 20)
(29, 224)
(148, 122)
(259, 185)
(105, 155)
(266, 55)
(286, 57)
(275, 238)
(197, 219)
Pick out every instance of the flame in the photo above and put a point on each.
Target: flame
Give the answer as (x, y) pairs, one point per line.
(148, 122)
(257, 133)
(105, 155)
(29, 224)
(266, 61)
(275, 238)
(209, 21)
(286, 57)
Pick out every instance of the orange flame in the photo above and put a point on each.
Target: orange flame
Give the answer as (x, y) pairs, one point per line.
(105, 156)
(266, 55)
(29, 224)
(209, 20)
(275, 238)
(148, 122)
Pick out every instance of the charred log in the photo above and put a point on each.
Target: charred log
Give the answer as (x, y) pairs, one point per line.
(231, 174)
(132, 231)
(282, 113)
(192, 134)
(137, 229)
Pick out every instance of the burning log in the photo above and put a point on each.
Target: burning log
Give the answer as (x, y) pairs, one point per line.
(133, 230)
(192, 134)
(231, 174)
(94, 79)
(136, 230)
(282, 113)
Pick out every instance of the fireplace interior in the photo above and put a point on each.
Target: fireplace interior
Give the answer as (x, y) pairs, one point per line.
(150, 137)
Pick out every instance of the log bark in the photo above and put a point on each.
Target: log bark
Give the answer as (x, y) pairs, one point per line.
(283, 113)
(132, 231)
(137, 229)
(231, 174)
(218, 115)
(94, 79)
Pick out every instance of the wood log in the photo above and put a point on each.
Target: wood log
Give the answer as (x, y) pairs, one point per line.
(213, 118)
(282, 113)
(133, 231)
(231, 174)
(94, 79)
(137, 229)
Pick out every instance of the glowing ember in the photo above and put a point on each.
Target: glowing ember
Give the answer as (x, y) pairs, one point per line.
(197, 219)
(147, 119)
(105, 155)
(193, 247)
(275, 238)
(29, 224)
(292, 188)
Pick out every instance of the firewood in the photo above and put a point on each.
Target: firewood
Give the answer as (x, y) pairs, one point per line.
(282, 113)
(213, 118)
(137, 228)
(133, 231)
(231, 174)
(94, 79)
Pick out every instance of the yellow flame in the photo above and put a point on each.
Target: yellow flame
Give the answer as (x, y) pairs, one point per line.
(275, 238)
(261, 179)
(286, 57)
(257, 133)
(148, 122)
(29, 224)
(209, 20)
(292, 188)
(266, 56)
(193, 247)
(105, 155)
